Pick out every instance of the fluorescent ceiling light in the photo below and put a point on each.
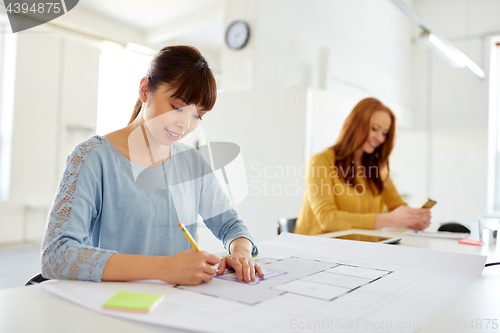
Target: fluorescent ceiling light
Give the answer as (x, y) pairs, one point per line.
(440, 44)
(474, 68)
(450, 53)
(447, 51)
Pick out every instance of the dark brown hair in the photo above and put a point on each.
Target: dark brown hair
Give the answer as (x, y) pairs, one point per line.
(354, 134)
(185, 69)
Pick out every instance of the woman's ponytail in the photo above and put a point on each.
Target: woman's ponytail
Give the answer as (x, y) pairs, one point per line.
(137, 109)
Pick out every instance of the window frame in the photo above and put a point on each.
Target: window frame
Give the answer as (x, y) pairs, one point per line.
(494, 128)
(8, 50)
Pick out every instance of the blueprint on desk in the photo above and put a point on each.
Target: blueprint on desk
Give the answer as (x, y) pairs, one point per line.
(319, 279)
(310, 282)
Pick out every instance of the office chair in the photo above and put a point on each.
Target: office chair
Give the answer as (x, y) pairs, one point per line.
(36, 280)
(286, 225)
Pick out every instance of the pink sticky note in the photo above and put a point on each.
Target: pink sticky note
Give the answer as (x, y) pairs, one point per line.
(470, 242)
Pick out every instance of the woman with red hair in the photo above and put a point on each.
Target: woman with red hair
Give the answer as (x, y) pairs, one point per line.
(348, 185)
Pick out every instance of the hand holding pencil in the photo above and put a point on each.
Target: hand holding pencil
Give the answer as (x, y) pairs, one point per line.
(240, 258)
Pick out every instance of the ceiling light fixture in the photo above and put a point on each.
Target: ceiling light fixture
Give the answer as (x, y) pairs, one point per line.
(439, 44)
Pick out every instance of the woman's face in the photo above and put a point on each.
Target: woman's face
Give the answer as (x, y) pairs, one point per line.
(379, 127)
(170, 119)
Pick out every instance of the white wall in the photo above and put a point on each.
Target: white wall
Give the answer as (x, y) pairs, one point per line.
(238, 66)
(366, 50)
(269, 126)
(34, 129)
(367, 44)
(345, 51)
(77, 113)
(55, 86)
(370, 48)
(457, 102)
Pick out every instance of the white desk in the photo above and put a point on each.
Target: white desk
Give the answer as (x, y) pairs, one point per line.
(480, 301)
(31, 309)
(28, 309)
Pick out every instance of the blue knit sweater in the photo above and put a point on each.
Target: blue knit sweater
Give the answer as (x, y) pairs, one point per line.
(105, 204)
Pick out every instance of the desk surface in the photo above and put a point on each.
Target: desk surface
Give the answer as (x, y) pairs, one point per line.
(429, 243)
(476, 304)
(27, 309)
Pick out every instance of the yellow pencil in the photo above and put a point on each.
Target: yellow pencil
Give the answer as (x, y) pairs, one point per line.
(188, 236)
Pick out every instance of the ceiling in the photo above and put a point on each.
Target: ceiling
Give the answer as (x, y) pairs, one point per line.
(145, 14)
(195, 22)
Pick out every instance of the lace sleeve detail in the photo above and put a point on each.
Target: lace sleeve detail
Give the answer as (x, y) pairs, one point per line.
(66, 250)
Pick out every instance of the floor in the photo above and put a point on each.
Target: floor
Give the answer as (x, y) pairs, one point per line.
(18, 264)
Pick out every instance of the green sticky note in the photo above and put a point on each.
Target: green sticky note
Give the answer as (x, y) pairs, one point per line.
(133, 302)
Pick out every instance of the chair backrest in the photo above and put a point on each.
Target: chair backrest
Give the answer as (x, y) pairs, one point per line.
(286, 225)
(36, 280)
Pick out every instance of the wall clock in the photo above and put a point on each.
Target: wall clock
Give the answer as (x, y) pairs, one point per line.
(237, 35)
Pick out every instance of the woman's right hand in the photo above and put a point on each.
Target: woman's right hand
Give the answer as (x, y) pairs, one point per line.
(406, 217)
(189, 267)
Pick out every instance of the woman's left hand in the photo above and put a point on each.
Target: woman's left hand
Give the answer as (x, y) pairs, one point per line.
(243, 265)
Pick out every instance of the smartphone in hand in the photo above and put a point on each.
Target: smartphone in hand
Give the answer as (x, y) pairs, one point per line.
(429, 204)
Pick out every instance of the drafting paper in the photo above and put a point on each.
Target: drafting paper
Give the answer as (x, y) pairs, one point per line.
(338, 280)
(313, 289)
(327, 282)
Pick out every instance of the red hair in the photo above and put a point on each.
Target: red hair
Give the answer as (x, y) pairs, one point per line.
(353, 136)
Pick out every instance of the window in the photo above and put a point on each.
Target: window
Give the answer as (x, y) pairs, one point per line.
(120, 72)
(7, 79)
(494, 131)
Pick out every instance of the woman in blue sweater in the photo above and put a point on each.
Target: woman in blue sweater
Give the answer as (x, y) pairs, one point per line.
(123, 194)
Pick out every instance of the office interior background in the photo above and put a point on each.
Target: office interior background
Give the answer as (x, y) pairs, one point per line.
(282, 98)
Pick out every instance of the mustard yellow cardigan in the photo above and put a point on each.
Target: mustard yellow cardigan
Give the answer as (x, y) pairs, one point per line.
(329, 204)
